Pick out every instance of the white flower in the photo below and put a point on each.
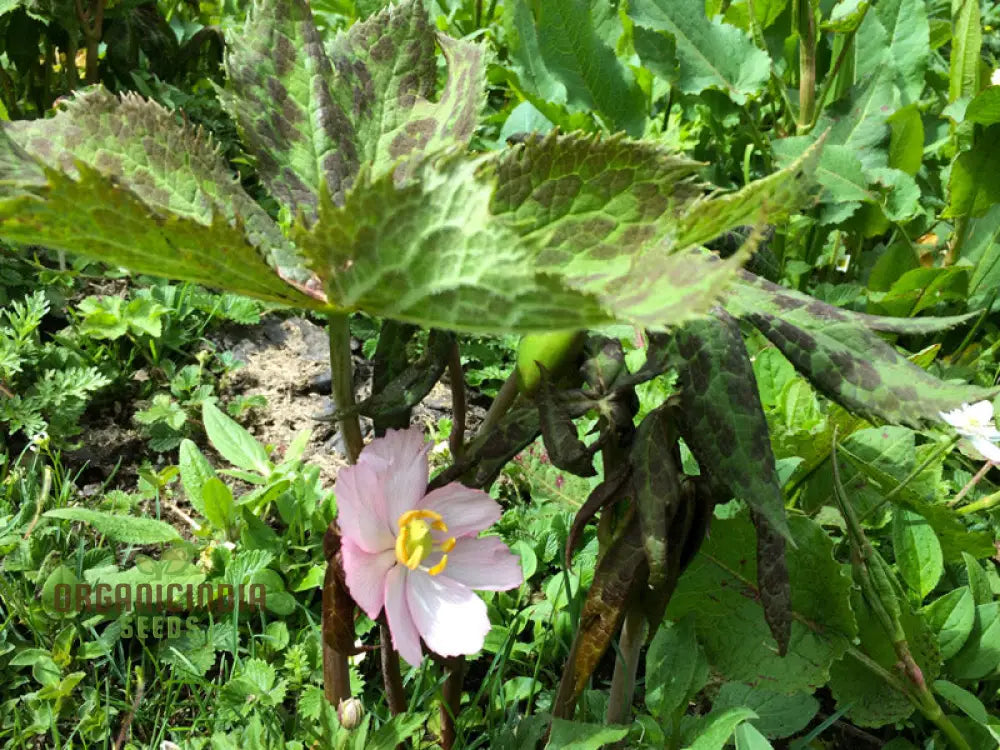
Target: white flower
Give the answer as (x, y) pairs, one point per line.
(975, 422)
(995, 78)
(39, 440)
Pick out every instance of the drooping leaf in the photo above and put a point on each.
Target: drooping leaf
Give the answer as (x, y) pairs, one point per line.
(563, 52)
(722, 419)
(751, 293)
(719, 588)
(773, 582)
(606, 493)
(410, 386)
(709, 54)
(119, 180)
(559, 433)
(855, 368)
(620, 571)
(656, 488)
(388, 364)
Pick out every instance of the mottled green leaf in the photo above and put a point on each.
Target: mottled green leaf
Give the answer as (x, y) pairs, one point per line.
(452, 249)
(710, 54)
(773, 582)
(722, 420)
(386, 78)
(750, 293)
(365, 99)
(302, 138)
(855, 368)
(562, 51)
(429, 253)
(720, 589)
(121, 181)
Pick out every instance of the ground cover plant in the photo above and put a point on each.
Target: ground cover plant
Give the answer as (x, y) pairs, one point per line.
(661, 352)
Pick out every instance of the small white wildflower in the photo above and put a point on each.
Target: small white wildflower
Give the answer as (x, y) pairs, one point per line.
(975, 423)
(38, 441)
(995, 78)
(168, 745)
(844, 262)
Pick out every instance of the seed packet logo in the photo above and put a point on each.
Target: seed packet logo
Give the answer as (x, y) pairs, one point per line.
(173, 561)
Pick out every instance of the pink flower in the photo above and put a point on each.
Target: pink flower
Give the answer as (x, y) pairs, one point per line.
(419, 555)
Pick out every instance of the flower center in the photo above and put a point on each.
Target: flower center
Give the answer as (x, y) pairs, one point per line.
(415, 542)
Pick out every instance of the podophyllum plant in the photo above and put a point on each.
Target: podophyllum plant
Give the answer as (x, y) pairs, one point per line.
(385, 210)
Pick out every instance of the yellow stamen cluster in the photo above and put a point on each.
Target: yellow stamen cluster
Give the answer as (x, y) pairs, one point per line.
(414, 542)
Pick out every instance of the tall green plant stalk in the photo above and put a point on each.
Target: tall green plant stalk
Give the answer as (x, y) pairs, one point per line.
(807, 63)
(336, 673)
(877, 587)
(626, 665)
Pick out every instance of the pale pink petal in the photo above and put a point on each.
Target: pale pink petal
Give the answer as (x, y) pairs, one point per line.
(484, 563)
(451, 619)
(365, 575)
(399, 459)
(405, 638)
(464, 510)
(361, 509)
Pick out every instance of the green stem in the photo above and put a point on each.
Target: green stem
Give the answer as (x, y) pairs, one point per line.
(501, 404)
(626, 663)
(987, 503)
(342, 383)
(807, 63)
(831, 77)
(945, 447)
(336, 671)
(456, 439)
(394, 694)
(452, 700)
